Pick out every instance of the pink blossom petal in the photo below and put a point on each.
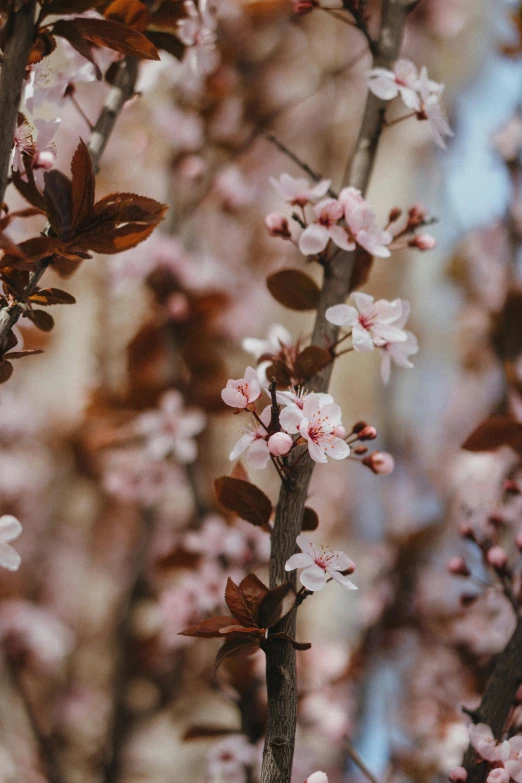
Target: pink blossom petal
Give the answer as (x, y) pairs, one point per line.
(290, 418)
(10, 528)
(342, 315)
(9, 558)
(244, 442)
(258, 456)
(343, 580)
(313, 240)
(337, 449)
(313, 578)
(300, 560)
(304, 543)
(233, 397)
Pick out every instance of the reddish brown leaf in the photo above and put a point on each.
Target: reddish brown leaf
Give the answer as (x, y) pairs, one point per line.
(82, 187)
(28, 190)
(252, 592)
(495, 432)
(310, 519)
(6, 370)
(245, 499)
(58, 202)
(167, 14)
(293, 289)
(239, 471)
(51, 296)
(44, 45)
(271, 607)
(361, 269)
(311, 361)
(117, 36)
(239, 607)
(169, 43)
(179, 558)
(130, 12)
(21, 354)
(239, 645)
(208, 629)
(281, 373)
(68, 29)
(61, 7)
(42, 320)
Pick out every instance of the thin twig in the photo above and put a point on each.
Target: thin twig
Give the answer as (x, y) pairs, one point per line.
(272, 138)
(356, 758)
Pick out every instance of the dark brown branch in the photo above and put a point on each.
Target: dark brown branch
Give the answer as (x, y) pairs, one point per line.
(46, 751)
(281, 674)
(498, 699)
(122, 90)
(19, 35)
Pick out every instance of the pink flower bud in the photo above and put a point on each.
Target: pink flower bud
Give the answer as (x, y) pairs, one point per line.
(512, 487)
(498, 775)
(178, 306)
(423, 242)
(466, 531)
(380, 462)
(497, 557)
(277, 225)
(304, 6)
(339, 431)
(458, 775)
(368, 433)
(279, 443)
(360, 450)
(44, 160)
(416, 215)
(394, 215)
(458, 567)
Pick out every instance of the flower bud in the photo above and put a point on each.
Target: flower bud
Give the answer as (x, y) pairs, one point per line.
(416, 215)
(380, 462)
(512, 487)
(458, 775)
(44, 160)
(423, 242)
(277, 225)
(178, 306)
(192, 167)
(497, 557)
(394, 215)
(458, 567)
(304, 6)
(466, 531)
(279, 443)
(368, 433)
(360, 425)
(360, 450)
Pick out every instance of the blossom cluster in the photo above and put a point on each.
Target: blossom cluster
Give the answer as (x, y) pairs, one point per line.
(506, 755)
(417, 91)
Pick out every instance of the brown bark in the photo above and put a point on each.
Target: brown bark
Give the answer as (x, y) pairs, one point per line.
(19, 37)
(280, 658)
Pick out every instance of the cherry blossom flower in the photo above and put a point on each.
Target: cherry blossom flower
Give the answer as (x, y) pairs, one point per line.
(171, 428)
(297, 191)
(373, 323)
(234, 188)
(500, 775)
(254, 444)
(316, 236)
(217, 539)
(277, 225)
(482, 739)
(361, 224)
(243, 392)
(35, 143)
(430, 109)
(227, 759)
(320, 425)
(10, 528)
(401, 80)
(380, 462)
(319, 563)
(198, 33)
(317, 777)
(510, 753)
(35, 631)
(294, 400)
(398, 352)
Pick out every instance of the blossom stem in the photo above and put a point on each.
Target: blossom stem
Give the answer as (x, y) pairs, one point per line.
(358, 761)
(400, 119)
(341, 353)
(272, 138)
(80, 111)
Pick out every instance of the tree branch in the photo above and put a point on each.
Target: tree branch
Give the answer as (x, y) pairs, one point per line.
(122, 90)
(19, 36)
(498, 700)
(280, 659)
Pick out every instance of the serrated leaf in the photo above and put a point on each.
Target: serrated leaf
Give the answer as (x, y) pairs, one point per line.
(51, 296)
(238, 606)
(167, 42)
(237, 646)
(310, 519)
(311, 361)
(130, 12)
(495, 432)
(68, 29)
(294, 289)
(208, 629)
(245, 499)
(82, 172)
(42, 320)
(252, 592)
(58, 202)
(271, 607)
(117, 36)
